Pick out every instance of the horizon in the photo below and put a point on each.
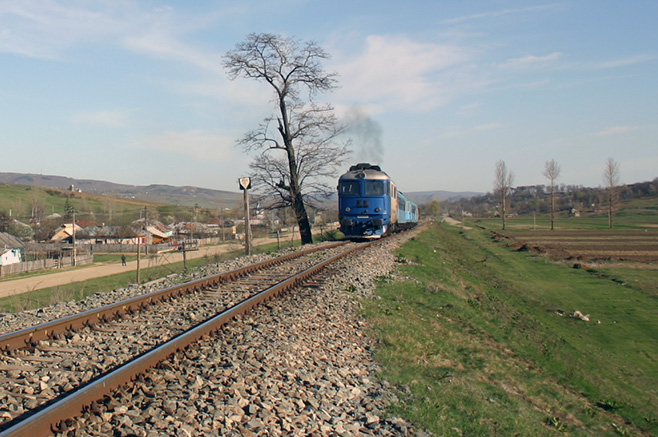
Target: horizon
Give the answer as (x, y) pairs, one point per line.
(436, 92)
(237, 192)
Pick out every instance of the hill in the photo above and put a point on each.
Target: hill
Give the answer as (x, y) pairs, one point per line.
(422, 197)
(166, 194)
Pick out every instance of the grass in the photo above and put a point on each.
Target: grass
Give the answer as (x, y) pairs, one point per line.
(478, 347)
(635, 214)
(19, 199)
(79, 290)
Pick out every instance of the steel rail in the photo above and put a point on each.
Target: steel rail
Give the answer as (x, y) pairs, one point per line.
(47, 419)
(30, 337)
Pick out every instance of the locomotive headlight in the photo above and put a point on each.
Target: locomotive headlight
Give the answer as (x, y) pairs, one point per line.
(377, 209)
(348, 209)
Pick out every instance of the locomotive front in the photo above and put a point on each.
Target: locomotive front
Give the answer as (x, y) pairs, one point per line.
(364, 202)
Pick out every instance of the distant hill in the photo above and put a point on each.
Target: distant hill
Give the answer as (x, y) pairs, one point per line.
(422, 197)
(183, 196)
(166, 194)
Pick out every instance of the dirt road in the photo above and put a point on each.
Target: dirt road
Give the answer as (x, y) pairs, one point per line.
(62, 277)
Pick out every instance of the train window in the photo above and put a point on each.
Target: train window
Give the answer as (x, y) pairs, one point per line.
(374, 188)
(349, 188)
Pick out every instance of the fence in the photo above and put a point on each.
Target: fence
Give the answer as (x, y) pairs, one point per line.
(44, 264)
(89, 250)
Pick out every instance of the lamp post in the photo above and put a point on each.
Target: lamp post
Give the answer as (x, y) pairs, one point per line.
(245, 185)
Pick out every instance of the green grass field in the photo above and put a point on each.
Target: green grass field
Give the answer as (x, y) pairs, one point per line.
(480, 341)
(636, 214)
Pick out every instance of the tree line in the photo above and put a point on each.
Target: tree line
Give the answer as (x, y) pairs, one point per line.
(551, 198)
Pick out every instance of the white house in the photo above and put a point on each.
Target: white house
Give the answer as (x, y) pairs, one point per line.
(9, 256)
(10, 249)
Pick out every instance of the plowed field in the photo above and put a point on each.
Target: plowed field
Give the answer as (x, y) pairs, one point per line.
(604, 245)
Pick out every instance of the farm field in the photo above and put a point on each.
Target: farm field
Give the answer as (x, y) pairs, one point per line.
(587, 245)
(482, 338)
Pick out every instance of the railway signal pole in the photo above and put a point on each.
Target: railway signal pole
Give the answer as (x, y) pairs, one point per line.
(245, 185)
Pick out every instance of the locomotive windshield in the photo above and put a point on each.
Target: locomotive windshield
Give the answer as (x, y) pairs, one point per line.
(374, 188)
(349, 188)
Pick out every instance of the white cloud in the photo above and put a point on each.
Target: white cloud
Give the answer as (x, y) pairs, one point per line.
(395, 71)
(44, 29)
(197, 144)
(454, 132)
(485, 127)
(623, 62)
(531, 61)
(615, 130)
(500, 13)
(103, 118)
(162, 44)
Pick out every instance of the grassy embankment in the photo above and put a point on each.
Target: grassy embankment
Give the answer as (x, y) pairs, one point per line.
(476, 341)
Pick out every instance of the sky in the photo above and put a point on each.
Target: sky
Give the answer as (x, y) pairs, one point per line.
(134, 92)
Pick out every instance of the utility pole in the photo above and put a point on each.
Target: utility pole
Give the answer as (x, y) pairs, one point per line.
(139, 246)
(245, 184)
(73, 239)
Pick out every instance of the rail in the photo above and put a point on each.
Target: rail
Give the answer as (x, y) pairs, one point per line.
(46, 419)
(29, 337)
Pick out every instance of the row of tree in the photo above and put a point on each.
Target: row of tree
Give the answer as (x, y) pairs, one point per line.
(552, 197)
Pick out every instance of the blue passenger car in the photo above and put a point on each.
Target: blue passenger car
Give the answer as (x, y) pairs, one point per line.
(369, 204)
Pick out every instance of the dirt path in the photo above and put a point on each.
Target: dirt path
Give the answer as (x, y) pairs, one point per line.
(451, 221)
(63, 277)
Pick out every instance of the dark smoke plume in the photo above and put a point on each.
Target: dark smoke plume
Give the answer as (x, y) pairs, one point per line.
(366, 136)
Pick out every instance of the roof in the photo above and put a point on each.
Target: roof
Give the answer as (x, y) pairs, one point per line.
(65, 231)
(158, 233)
(9, 241)
(364, 171)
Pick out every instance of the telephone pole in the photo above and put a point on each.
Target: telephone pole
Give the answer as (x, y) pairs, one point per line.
(73, 239)
(139, 244)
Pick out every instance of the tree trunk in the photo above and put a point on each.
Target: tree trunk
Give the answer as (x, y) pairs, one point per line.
(302, 220)
(552, 207)
(610, 201)
(295, 191)
(300, 212)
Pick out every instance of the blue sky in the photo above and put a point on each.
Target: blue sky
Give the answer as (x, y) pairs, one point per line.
(134, 91)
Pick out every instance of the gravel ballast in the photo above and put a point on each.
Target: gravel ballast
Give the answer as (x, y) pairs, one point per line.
(298, 365)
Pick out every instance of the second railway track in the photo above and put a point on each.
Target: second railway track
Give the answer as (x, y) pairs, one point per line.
(45, 368)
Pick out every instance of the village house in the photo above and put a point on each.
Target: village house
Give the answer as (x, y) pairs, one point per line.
(158, 233)
(10, 249)
(104, 235)
(65, 233)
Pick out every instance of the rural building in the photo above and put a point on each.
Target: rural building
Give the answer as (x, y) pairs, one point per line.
(10, 249)
(159, 233)
(65, 233)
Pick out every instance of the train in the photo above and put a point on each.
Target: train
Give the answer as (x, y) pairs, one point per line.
(370, 205)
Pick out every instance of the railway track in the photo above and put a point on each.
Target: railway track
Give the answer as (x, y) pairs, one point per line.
(59, 368)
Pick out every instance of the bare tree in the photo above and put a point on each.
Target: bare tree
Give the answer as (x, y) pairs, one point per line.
(502, 187)
(296, 158)
(552, 172)
(611, 179)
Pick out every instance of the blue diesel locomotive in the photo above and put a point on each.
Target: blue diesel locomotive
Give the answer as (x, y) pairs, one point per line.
(369, 204)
